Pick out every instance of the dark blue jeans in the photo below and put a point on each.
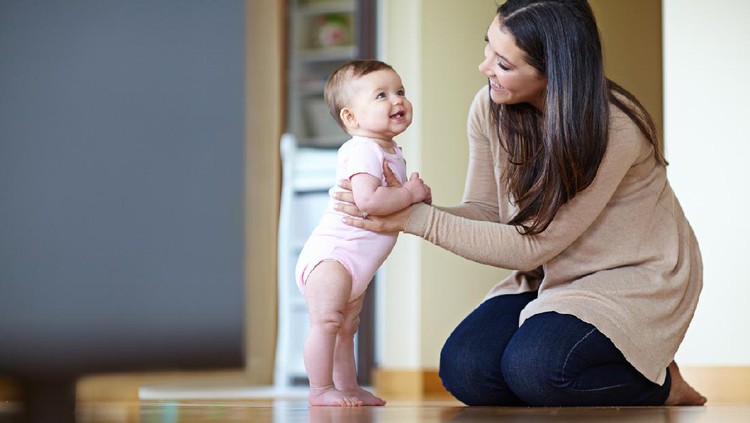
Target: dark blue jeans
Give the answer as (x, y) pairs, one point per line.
(551, 360)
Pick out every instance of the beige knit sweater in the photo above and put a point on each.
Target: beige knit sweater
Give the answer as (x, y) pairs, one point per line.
(620, 255)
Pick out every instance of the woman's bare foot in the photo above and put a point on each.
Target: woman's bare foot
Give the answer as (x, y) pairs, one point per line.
(367, 398)
(328, 395)
(681, 393)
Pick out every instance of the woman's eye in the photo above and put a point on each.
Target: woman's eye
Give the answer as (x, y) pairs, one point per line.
(501, 66)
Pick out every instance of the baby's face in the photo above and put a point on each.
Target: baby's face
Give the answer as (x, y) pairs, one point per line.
(379, 104)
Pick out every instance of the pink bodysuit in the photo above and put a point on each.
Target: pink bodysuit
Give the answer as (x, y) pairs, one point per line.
(361, 252)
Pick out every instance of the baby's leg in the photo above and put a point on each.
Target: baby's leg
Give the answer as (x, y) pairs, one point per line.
(327, 293)
(344, 368)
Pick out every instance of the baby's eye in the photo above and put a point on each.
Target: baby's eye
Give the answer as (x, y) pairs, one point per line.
(380, 95)
(401, 93)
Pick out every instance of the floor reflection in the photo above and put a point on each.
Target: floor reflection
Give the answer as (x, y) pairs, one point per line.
(394, 412)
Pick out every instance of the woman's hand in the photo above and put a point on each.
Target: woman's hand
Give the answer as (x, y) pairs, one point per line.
(395, 222)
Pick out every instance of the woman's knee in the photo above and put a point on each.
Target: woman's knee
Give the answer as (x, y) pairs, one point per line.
(459, 364)
(559, 360)
(529, 377)
(471, 376)
(533, 361)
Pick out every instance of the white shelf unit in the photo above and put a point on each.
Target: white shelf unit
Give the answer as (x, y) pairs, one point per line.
(307, 175)
(323, 35)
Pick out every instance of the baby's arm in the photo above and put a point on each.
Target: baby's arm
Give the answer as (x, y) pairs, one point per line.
(373, 198)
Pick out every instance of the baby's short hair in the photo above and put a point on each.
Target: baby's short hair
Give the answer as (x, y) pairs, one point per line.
(336, 91)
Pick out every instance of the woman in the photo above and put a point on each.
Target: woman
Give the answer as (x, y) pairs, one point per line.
(567, 185)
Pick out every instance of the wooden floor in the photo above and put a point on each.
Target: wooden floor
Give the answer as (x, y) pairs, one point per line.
(293, 411)
(225, 397)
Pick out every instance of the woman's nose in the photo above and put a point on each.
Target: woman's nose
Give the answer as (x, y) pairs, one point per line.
(484, 66)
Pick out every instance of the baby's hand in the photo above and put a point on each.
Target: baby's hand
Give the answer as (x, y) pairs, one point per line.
(418, 190)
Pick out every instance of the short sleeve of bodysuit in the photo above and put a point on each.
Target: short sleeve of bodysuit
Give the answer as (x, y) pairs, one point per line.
(362, 156)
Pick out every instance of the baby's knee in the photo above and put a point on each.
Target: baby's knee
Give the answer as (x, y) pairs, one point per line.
(330, 322)
(349, 327)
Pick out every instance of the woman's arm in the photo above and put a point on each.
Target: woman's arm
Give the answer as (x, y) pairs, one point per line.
(503, 245)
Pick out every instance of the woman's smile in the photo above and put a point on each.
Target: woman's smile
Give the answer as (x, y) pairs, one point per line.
(496, 86)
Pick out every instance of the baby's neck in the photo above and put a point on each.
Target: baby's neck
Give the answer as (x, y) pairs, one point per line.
(385, 143)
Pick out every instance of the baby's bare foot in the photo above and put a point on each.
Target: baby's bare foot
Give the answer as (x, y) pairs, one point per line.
(330, 396)
(681, 393)
(367, 398)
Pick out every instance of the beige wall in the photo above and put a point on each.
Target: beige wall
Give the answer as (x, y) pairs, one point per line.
(264, 121)
(436, 45)
(631, 34)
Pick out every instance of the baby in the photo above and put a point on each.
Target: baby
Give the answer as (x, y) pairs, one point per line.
(337, 263)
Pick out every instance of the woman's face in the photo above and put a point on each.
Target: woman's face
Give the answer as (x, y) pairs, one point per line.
(512, 80)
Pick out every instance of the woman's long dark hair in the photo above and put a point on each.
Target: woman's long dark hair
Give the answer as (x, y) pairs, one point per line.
(555, 153)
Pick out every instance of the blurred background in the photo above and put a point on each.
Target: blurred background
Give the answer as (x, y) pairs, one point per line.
(140, 174)
(122, 139)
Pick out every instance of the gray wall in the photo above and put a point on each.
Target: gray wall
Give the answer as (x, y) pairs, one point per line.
(121, 184)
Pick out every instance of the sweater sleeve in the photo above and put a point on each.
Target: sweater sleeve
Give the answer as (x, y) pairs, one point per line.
(501, 245)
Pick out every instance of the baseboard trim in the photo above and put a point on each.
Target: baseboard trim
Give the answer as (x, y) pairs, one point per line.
(410, 384)
(125, 386)
(720, 384)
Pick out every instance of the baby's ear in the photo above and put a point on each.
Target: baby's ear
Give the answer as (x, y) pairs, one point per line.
(347, 116)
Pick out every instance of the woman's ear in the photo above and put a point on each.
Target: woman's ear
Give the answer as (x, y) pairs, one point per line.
(347, 116)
